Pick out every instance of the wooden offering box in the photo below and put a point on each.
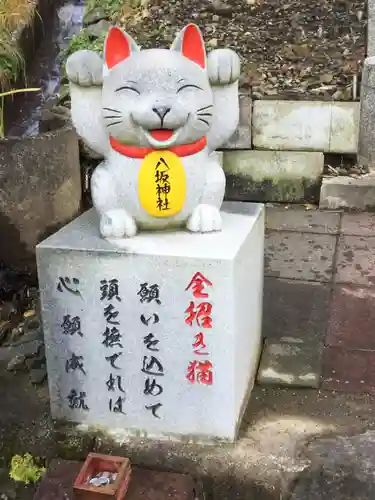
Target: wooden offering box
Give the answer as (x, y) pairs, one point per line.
(95, 464)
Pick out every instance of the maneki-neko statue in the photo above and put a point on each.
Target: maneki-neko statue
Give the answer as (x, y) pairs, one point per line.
(156, 116)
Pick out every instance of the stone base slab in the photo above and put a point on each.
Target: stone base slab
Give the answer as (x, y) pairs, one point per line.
(348, 192)
(169, 321)
(279, 176)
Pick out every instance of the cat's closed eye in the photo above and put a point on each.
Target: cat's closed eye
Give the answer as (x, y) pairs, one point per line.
(187, 86)
(127, 87)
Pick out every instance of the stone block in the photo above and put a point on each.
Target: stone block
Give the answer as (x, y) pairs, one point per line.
(159, 357)
(295, 218)
(37, 197)
(349, 370)
(339, 467)
(348, 192)
(241, 139)
(352, 318)
(294, 308)
(306, 125)
(358, 224)
(370, 28)
(291, 362)
(356, 260)
(366, 140)
(344, 128)
(280, 176)
(299, 255)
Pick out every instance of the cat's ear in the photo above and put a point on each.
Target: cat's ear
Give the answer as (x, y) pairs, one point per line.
(191, 45)
(117, 47)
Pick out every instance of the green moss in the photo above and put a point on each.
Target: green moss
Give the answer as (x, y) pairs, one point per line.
(83, 41)
(110, 7)
(24, 469)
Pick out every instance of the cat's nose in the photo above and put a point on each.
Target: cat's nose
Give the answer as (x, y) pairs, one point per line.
(161, 111)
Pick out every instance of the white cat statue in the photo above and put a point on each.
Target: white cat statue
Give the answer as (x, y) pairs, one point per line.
(156, 117)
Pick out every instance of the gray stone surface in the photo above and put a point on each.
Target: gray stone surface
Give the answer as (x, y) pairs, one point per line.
(291, 362)
(40, 183)
(299, 256)
(348, 192)
(295, 308)
(358, 224)
(241, 139)
(230, 259)
(281, 176)
(299, 218)
(306, 125)
(356, 260)
(370, 28)
(260, 466)
(366, 141)
(340, 468)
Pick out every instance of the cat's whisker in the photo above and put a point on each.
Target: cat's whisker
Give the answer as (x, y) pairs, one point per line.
(205, 107)
(113, 123)
(204, 114)
(204, 121)
(113, 110)
(111, 116)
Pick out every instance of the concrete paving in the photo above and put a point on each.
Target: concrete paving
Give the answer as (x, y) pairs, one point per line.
(320, 286)
(264, 464)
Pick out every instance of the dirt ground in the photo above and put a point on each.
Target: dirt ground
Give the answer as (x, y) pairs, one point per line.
(295, 49)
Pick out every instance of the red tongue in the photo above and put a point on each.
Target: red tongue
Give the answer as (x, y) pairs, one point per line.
(161, 134)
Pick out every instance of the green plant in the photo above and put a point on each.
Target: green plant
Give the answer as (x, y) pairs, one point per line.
(82, 41)
(24, 469)
(2, 97)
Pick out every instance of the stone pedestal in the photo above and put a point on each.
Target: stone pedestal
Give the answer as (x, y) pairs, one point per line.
(366, 138)
(160, 337)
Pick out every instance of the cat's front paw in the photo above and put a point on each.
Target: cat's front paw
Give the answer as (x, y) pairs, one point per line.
(223, 66)
(85, 68)
(204, 219)
(117, 224)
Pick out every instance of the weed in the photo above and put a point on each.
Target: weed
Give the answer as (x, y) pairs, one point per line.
(84, 41)
(24, 469)
(110, 7)
(13, 14)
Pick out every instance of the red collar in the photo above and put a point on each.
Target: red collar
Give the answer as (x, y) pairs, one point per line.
(138, 152)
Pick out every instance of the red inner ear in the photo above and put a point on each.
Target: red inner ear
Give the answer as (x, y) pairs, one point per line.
(117, 47)
(192, 45)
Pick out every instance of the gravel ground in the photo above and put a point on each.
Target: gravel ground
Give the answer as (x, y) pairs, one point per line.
(296, 49)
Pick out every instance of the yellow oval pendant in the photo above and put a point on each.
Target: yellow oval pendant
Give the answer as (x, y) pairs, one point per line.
(162, 184)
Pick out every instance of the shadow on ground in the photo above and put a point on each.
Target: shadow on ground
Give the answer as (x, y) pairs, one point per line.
(270, 458)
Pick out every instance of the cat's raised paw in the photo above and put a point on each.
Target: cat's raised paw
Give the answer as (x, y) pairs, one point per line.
(223, 66)
(204, 219)
(85, 68)
(117, 224)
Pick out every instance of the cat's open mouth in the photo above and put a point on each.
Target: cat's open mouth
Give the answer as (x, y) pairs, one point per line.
(161, 138)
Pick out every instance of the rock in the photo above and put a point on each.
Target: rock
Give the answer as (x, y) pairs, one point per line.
(326, 78)
(341, 468)
(38, 375)
(37, 362)
(63, 94)
(17, 363)
(88, 152)
(98, 29)
(30, 349)
(213, 43)
(94, 15)
(219, 7)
